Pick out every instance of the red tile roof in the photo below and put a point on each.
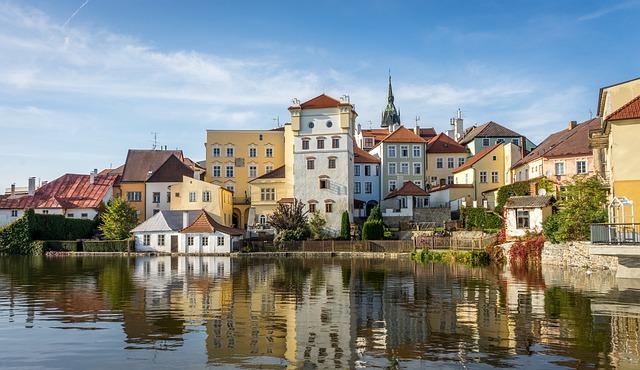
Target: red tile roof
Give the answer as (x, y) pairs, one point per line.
(67, 192)
(205, 223)
(631, 110)
(321, 101)
(112, 171)
(427, 133)
(442, 143)
(471, 161)
(362, 156)
(402, 135)
(408, 189)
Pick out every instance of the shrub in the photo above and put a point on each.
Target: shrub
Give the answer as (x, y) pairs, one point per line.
(61, 245)
(15, 238)
(372, 230)
(469, 258)
(282, 236)
(527, 252)
(59, 227)
(107, 245)
(316, 226)
(550, 227)
(345, 226)
(480, 219)
(118, 219)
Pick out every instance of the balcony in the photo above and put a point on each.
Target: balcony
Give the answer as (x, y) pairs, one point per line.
(615, 233)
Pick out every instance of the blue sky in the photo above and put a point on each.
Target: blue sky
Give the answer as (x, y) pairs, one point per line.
(76, 91)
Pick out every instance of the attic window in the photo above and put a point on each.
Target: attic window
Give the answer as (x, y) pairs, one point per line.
(311, 124)
(446, 145)
(329, 123)
(494, 157)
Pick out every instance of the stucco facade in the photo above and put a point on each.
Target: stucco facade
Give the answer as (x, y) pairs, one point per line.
(193, 195)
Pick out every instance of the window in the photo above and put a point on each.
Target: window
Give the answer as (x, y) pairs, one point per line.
(70, 215)
(310, 164)
(14, 213)
(522, 219)
(499, 141)
(559, 168)
(146, 239)
(328, 207)
(320, 143)
(449, 179)
(332, 163)
(220, 241)
(206, 196)
(268, 152)
(483, 177)
(160, 240)
(515, 141)
(268, 168)
(368, 186)
(168, 197)
(404, 151)
(216, 151)
(267, 194)
(253, 171)
(84, 215)
(192, 196)
(418, 183)
(177, 195)
(134, 196)
(335, 143)
(392, 185)
(357, 187)
(253, 152)
(229, 151)
(311, 124)
(204, 241)
(450, 162)
(156, 197)
(392, 168)
(312, 207)
(305, 144)
(581, 167)
(417, 168)
(434, 180)
(228, 171)
(329, 123)
(260, 137)
(486, 142)
(495, 157)
(262, 219)
(216, 171)
(417, 152)
(324, 184)
(494, 177)
(460, 161)
(189, 240)
(231, 187)
(439, 162)
(367, 170)
(391, 151)
(404, 168)
(368, 142)
(45, 211)
(356, 170)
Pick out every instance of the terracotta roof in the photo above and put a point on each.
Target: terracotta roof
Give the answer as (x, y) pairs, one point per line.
(631, 110)
(408, 189)
(564, 143)
(205, 223)
(194, 165)
(442, 143)
(67, 191)
(278, 173)
(402, 135)
(449, 186)
(427, 133)
(471, 161)
(529, 201)
(141, 164)
(321, 101)
(112, 171)
(489, 129)
(362, 156)
(286, 200)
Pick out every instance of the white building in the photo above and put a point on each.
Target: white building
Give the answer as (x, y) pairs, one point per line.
(524, 214)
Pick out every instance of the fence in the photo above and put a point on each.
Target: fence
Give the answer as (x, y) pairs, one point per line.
(615, 233)
(448, 242)
(387, 246)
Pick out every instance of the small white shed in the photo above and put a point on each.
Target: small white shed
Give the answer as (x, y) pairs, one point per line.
(524, 214)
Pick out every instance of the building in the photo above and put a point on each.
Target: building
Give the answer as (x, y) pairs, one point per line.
(452, 196)
(491, 133)
(525, 214)
(444, 155)
(366, 181)
(404, 200)
(487, 171)
(195, 195)
(266, 191)
(560, 156)
(402, 158)
(615, 143)
(190, 232)
(235, 157)
(70, 195)
(147, 177)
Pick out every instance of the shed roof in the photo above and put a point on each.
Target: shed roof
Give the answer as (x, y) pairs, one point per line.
(529, 201)
(408, 189)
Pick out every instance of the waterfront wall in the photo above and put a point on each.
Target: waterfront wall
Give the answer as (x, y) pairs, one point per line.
(573, 254)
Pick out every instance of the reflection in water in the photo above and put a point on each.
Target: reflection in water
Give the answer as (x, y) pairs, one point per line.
(168, 312)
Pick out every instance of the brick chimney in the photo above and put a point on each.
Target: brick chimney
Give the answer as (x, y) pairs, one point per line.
(92, 176)
(13, 189)
(416, 130)
(32, 185)
(572, 124)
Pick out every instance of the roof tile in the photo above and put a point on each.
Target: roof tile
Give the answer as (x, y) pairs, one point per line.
(631, 110)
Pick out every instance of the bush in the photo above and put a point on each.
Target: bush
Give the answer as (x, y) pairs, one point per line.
(15, 238)
(480, 219)
(317, 226)
(373, 230)
(527, 252)
(107, 245)
(550, 227)
(59, 227)
(118, 219)
(300, 233)
(345, 226)
(61, 245)
(469, 258)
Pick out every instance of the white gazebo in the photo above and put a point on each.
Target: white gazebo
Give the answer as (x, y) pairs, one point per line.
(617, 209)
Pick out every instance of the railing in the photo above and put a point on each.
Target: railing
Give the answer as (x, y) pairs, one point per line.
(615, 233)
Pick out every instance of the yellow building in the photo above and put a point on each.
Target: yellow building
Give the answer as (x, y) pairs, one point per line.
(192, 195)
(443, 156)
(235, 157)
(487, 171)
(617, 142)
(266, 191)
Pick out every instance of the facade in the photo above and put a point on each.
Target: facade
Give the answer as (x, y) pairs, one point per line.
(195, 195)
(451, 195)
(561, 156)
(487, 171)
(235, 157)
(266, 191)
(366, 181)
(443, 156)
(491, 133)
(525, 214)
(402, 158)
(71, 195)
(405, 199)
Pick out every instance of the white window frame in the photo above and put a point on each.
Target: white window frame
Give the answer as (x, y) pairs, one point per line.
(404, 168)
(392, 185)
(417, 166)
(555, 168)
(404, 151)
(161, 240)
(483, 177)
(192, 197)
(417, 151)
(394, 167)
(584, 163)
(253, 171)
(356, 170)
(357, 187)
(390, 149)
(146, 240)
(439, 162)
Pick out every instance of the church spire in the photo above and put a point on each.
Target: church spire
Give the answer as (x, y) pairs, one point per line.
(390, 115)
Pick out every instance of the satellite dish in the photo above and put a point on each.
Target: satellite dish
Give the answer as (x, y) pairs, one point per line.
(542, 191)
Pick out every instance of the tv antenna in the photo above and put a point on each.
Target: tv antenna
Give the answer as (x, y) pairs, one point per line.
(155, 139)
(417, 120)
(276, 119)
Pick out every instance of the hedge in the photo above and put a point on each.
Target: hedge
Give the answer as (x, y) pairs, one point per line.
(107, 245)
(15, 238)
(59, 227)
(480, 219)
(61, 245)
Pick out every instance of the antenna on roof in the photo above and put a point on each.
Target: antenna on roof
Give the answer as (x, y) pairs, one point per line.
(590, 114)
(155, 139)
(370, 124)
(417, 120)
(277, 120)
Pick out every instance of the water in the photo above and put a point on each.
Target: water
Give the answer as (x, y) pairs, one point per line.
(195, 312)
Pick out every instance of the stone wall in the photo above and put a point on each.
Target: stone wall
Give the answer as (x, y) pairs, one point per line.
(572, 254)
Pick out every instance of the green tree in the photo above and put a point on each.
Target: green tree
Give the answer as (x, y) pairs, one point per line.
(118, 219)
(345, 226)
(290, 222)
(373, 228)
(316, 226)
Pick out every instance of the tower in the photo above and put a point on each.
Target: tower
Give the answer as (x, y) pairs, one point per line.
(390, 115)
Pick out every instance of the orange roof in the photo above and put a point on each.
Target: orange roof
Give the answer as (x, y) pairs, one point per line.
(206, 224)
(402, 135)
(631, 110)
(408, 189)
(376, 133)
(321, 101)
(471, 161)
(362, 156)
(442, 143)
(449, 186)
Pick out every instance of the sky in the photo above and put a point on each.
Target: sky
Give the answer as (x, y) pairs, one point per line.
(82, 81)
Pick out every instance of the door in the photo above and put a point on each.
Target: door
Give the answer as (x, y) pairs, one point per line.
(174, 243)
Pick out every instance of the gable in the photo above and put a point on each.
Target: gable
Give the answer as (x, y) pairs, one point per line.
(172, 170)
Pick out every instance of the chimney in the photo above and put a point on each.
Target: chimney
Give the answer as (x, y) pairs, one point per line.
(92, 176)
(416, 130)
(32, 185)
(572, 124)
(185, 219)
(13, 189)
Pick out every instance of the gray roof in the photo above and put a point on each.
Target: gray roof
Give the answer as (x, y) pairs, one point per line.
(166, 221)
(489, 129)
(529, 201)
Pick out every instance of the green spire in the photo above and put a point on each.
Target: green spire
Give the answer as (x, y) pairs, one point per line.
(390, 116)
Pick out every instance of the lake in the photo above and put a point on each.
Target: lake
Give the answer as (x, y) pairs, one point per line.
(250, 312)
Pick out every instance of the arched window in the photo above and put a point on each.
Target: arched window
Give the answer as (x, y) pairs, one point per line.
(263, 219)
